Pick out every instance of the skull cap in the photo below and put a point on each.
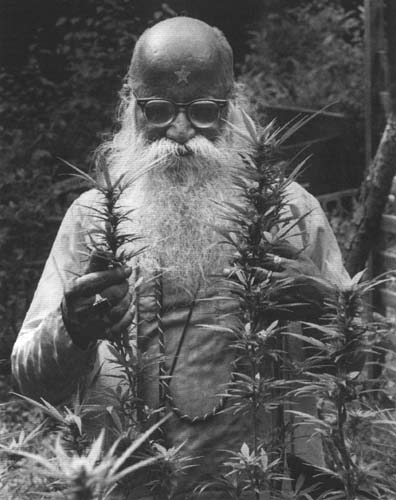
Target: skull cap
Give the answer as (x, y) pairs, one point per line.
(183, 59)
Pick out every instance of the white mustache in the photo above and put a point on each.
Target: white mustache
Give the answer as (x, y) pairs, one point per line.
(197, 146)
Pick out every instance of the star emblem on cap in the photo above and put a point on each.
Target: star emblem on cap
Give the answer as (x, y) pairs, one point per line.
(182, 75)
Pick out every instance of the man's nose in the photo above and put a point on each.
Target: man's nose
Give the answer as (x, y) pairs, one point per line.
(181, 129)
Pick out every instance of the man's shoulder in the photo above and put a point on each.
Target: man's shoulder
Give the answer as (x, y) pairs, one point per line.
(304, 208)
(80, 212)
(87, 202)
(300, 199)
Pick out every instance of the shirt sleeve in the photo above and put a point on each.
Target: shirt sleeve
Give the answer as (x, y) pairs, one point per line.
(314, 233)
(45, 362)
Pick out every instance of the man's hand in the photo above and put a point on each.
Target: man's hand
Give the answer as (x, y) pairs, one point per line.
(302, 291)
(87, 316)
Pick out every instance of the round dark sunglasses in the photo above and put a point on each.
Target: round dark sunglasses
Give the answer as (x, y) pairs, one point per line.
(202, 113)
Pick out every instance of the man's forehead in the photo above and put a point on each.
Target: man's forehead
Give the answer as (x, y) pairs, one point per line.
(184, 38)
(183, 59)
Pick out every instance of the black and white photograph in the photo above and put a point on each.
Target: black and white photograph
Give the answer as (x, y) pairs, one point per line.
(198, 250)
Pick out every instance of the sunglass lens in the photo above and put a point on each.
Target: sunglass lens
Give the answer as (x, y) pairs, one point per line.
(204, 113)
(159, 112)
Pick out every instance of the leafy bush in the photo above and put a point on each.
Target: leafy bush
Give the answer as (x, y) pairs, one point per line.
(308, 55)
(41, 120)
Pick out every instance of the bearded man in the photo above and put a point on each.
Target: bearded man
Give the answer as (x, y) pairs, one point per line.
(177, 105)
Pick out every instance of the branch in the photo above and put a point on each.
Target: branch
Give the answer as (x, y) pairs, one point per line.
(375, 189)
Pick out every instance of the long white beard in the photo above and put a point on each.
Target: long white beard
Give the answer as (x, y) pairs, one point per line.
(176, 205)
(178, 224)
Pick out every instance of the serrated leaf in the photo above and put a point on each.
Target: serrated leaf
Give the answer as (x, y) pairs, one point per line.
(358, 276)
(245, 450)
(215, 328)
(308, 340)
(268, 236)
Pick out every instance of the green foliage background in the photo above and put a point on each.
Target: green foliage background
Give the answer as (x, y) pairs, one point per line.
(301, 53)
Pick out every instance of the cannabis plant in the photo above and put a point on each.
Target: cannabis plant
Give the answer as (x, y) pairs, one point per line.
(260, 225)
(92, 475)
(112, 246)
(267, 379)
(78, 467)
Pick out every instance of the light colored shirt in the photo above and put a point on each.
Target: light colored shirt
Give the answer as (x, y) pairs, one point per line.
(47, 364)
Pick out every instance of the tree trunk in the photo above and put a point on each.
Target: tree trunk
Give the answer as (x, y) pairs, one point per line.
(377, 185)
(375, 193)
